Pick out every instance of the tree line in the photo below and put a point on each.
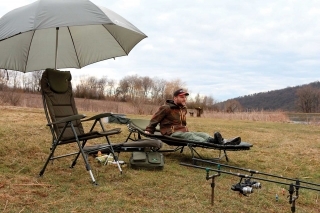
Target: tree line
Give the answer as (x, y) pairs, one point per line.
(133, 88)
(141, 90)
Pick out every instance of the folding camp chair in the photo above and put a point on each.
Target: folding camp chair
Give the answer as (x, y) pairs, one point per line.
(137, 130)
(66, 124)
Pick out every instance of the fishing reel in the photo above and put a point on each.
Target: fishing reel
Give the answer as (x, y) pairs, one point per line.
(252, 184)
(246, 187)
(242, 188)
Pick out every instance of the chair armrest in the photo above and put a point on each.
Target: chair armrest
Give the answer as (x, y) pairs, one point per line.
(67, 119)
(96, 117)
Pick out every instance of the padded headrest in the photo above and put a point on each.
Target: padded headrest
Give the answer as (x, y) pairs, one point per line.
(58, 80)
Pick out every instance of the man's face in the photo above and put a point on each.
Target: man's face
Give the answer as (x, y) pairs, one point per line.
(180, 100)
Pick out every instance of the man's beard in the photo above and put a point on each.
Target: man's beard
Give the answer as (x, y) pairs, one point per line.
(181, 104)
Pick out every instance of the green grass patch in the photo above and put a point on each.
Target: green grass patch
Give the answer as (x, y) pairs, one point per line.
(280, 148)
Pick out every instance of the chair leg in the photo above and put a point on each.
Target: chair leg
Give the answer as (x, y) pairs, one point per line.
(48, 159)
(88, 167)
(74, 162)
(92, 178)
(85, 159)
(115, 157)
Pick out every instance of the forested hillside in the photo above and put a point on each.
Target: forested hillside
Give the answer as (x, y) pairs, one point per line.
(283, 99)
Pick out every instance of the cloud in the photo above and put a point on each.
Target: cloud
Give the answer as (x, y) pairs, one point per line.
(223, 49)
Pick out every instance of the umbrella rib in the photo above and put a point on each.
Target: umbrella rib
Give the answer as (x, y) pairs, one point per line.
(25, 68)
(115, 39)
(10, 36)
(74, 47)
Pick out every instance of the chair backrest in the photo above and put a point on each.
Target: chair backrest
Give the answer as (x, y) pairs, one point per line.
(58, 100)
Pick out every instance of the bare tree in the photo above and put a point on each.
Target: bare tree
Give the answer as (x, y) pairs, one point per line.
(82, 89)
(123, 89)
(131, 87)
(172, 86)
(14, 79)
(147, 84)
(308, 99)
(204, 102)
(26, 82)
(110, 89)
(209, 102)
(90, 87)
(158, 91)
(136, 87)
(35, 80)
(100, 87)
(4, 78)
(232, 106)
(197, 101)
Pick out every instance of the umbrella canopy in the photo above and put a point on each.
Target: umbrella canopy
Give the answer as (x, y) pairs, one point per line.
(63, 34)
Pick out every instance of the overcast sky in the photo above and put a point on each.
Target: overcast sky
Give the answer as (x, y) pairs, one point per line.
(219, 48)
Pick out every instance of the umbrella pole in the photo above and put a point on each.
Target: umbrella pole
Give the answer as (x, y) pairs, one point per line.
(56, 56)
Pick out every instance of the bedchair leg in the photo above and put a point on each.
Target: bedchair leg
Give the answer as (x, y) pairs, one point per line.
(225, 154)
(117, 161)
(181, 150)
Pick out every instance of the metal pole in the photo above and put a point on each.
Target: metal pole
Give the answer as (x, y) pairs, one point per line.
(56, 55)
(212, 183)
(212, 190)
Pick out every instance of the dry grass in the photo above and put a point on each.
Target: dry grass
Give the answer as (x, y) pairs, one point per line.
(35, 101)
(277, 116)
(280, 148)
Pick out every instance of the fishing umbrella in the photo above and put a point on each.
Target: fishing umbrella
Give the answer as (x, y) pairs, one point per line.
(63, 34)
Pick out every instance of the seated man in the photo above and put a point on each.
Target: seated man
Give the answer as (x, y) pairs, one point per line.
(172, 119)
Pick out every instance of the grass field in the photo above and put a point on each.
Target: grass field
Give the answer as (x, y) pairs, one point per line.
(279, 148)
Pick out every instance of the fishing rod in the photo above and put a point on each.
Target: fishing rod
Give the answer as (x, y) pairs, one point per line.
(248, 176)
(246, 187)
(252, 172)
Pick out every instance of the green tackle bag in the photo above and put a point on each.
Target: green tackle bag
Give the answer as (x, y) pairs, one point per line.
(147, 160)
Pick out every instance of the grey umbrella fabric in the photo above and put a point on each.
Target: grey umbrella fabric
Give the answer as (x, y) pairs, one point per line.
(63, 34)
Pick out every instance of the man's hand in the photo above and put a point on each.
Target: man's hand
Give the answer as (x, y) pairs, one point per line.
(147, 132)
